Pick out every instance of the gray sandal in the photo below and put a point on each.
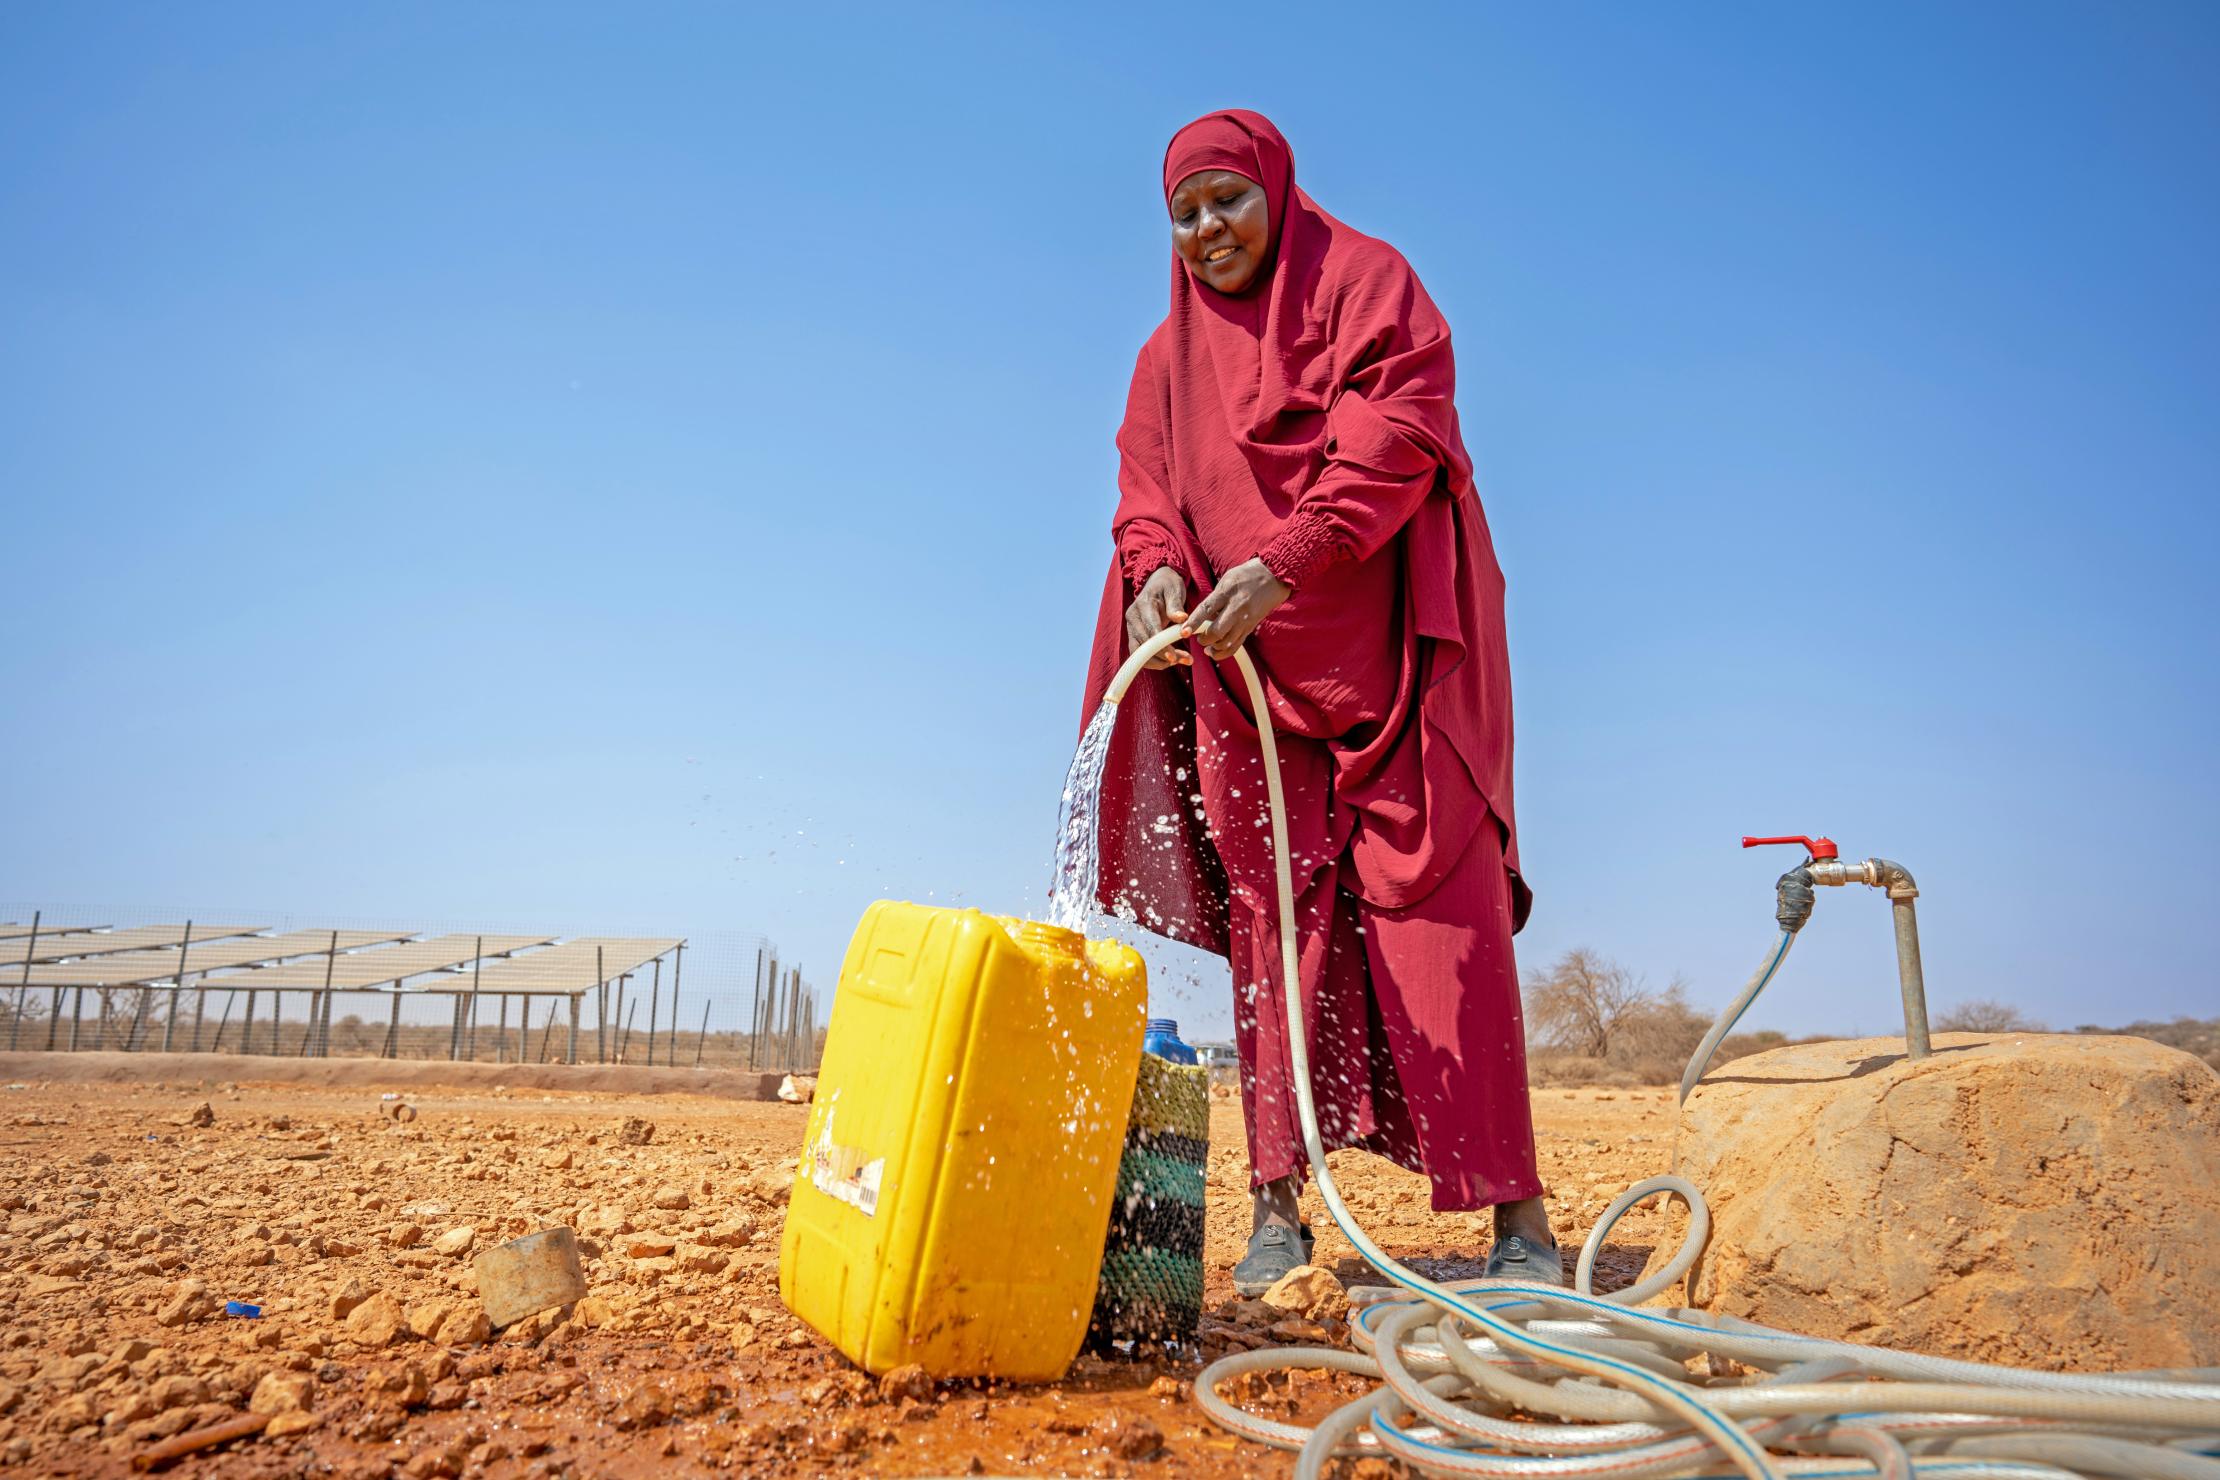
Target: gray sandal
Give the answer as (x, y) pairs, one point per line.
(1516, 1258)
(1274, 1251)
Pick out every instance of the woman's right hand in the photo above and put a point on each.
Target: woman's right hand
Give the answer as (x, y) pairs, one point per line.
(1162, 603)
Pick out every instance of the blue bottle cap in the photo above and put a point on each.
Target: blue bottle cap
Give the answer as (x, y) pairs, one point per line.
(241, 1309)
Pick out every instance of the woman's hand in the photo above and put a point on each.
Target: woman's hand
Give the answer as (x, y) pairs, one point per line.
(1162, 603)
(1243, 599)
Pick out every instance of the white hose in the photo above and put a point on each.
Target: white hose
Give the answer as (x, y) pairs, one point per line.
(1476, 1363)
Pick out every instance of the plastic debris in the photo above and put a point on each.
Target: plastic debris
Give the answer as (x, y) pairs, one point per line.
(242, 1310)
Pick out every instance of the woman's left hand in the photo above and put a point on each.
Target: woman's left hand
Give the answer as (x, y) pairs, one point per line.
(1244, 597)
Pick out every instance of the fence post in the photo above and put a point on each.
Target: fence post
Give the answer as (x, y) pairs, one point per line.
(15, 1023)
(755, 1009)
(319, 1005)
(678, 969)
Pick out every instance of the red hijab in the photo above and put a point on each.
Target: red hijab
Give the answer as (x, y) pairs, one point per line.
(1263, 357)
(1331, 368)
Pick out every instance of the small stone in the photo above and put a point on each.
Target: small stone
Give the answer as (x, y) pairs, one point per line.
(378, 1321)
(283, 1392)
(408, 1384)
(133, 1408)
(426, 1317)
(1129, 1436)
(201, 1115)
(649, 1246)
(437, 1464)
(908, 1381)
(467, 1326)
(701, 1259)
(190, 1303)
(1302, 1333)
(635, 1131)
(455, 1241)
(671, 1199)
(179, 1390)
(1252, 1313)
(294, 1421)
(1307, 1290)
(1170, 1389)
(343, 1301)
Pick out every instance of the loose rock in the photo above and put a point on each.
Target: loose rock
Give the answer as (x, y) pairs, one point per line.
(378, 1321)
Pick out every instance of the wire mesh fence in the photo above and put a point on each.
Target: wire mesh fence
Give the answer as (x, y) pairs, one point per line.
(719, 999)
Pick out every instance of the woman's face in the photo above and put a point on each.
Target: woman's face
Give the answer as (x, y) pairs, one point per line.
(1221, 228)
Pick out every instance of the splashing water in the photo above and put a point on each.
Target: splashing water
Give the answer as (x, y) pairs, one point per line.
(1072, 884)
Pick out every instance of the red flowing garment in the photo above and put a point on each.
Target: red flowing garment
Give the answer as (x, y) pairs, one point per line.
(1310, 421)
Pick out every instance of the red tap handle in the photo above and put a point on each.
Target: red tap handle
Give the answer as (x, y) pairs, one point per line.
(1818, 847)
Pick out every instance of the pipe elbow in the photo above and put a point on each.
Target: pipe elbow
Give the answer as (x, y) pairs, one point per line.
(1892, 877)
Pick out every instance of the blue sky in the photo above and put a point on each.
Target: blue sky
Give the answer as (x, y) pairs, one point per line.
(583, 464)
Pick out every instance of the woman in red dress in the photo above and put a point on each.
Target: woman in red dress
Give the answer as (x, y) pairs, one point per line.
(1291, 477)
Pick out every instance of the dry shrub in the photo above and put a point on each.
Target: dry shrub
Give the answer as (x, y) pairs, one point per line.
(1986, 1015)
(1591, 1021)
(2199, 1036)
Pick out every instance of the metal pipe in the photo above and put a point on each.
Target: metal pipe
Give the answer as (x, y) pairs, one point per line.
(601, 1011)
(1896, 880)
(1910, 978)
(703, 1036)
(655, 1000)
(571, 1055)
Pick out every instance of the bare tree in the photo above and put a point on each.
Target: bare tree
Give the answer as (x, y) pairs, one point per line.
(1581, 1001)
(1986, 1015)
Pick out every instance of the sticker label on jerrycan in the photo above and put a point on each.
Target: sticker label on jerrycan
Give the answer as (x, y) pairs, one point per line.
(842, 1172)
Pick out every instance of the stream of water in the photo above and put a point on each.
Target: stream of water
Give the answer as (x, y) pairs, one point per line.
(1071, 890)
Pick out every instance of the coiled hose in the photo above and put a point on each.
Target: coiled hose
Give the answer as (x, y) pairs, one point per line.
(1606, 1386)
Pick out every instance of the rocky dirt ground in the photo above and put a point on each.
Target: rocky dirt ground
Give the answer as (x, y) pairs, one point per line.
(134, 1212)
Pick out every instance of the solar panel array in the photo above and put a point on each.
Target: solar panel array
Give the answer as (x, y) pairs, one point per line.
(231, 956)
(61, 945)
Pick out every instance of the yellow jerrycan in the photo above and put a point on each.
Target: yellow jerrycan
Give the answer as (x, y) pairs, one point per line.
(962, 1149)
